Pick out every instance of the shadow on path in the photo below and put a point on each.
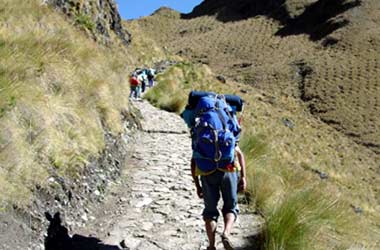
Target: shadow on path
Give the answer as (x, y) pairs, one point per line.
(58, 238)
(254, 242)
(319, 19)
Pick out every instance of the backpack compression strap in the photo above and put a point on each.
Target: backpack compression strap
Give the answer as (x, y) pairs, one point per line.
(218, 110)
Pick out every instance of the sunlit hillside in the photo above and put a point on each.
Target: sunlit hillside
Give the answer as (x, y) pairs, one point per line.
(59, 92)
(312, 94)
(308, 71)
(342, 73)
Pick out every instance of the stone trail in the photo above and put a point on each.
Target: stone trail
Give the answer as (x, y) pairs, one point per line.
(161, 209)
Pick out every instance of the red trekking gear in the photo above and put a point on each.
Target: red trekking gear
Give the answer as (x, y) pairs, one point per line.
(134, 82)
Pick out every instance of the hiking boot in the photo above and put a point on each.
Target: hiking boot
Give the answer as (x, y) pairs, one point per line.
(227, 242)
(211, 248)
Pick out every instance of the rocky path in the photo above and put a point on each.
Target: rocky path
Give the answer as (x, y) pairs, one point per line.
(159, 209)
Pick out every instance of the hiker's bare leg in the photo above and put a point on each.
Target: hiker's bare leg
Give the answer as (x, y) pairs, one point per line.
(211, 230)
(229, 220)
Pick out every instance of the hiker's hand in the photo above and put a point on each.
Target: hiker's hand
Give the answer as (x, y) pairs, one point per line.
(242, 186)
(199, 192)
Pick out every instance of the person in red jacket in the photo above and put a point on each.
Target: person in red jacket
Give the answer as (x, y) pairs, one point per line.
(134, 84)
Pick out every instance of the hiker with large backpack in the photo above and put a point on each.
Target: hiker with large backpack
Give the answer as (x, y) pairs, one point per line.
(217, 164)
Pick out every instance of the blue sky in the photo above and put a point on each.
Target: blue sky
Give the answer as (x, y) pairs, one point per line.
(136, 8)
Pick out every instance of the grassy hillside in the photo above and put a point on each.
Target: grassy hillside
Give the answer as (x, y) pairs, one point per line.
(310, 135)
(295, 181)
(59, 93)
(342, 80)
(143, 48)
(311, 124)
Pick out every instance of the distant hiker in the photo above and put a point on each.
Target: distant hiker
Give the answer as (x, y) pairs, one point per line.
(142, 85)
(150, 73)
(143, 79)
(144, 82)
(134, 85)
(217, 161)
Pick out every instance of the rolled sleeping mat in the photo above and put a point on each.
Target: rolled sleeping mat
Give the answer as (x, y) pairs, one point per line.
(194, 97)
(236, 102)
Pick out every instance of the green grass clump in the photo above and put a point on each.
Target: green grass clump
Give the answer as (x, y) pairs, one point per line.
(296, 221)
(166, 98)
(85, 21)
(8, 105)
(173, 86)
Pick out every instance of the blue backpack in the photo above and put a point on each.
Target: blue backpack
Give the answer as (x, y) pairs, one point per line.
(214, 131)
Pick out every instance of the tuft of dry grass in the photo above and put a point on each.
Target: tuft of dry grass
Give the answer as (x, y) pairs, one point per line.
(296, 220)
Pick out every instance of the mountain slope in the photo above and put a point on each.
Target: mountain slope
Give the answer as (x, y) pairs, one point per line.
(343, 77)
(63, 99)
(320, 78)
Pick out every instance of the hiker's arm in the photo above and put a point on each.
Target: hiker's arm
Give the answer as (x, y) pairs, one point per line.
(242, 181)
(196, 179)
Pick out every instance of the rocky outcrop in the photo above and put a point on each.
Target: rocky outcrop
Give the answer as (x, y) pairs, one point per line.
(75, 198)
(100, 18)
